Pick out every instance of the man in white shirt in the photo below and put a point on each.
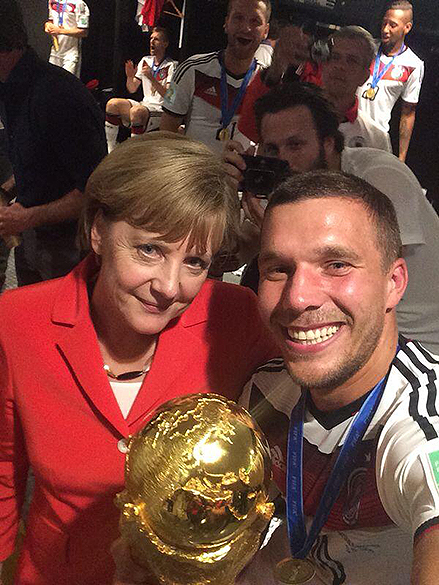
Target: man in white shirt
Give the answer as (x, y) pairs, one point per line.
(207, 90)
(67, 24)
(154, 72)
(396, 72)
(352, 49)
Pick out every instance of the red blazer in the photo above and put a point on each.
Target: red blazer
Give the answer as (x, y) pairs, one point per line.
(58, 413)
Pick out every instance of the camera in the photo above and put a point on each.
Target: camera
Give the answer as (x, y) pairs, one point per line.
(263, 174)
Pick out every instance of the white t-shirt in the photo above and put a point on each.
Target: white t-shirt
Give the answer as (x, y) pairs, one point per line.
(72, 14)
(152, 99)
(365, 132)
(195, 92)
(418, 311)
(402, 79)
(392, 491)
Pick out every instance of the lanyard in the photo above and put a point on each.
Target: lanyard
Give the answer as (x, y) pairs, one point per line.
(226, 112)
(377, 74)
(61, 12)
(301, 542)
(155, 68)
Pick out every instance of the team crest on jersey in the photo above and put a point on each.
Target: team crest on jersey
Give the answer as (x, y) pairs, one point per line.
(162, 74)
(397, 72)
(277, 458)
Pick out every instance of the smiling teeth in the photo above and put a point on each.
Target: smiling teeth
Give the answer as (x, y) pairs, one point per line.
(313, 336)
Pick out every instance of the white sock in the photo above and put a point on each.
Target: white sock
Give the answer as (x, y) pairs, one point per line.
(111, 132)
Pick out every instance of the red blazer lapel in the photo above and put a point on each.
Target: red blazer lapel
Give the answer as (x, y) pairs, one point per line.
(77, 342)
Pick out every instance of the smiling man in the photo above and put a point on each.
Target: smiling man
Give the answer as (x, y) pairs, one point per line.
(207, 90)
(331, 277)
(297, 124)
(396, 72)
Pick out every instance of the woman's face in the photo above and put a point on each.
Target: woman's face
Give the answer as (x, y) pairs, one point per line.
(144, 280)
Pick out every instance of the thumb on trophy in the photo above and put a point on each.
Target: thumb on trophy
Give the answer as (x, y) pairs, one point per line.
(127, 571)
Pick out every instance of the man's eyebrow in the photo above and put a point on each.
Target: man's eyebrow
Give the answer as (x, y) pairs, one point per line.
(327, 252)
(337, 253)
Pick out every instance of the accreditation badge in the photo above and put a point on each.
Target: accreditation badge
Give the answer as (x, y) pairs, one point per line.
(370, 92)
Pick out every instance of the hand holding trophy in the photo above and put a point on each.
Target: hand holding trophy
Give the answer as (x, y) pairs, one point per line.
(196, 497)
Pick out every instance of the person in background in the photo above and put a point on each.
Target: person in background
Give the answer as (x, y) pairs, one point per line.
(132, 326)
(53, 151)
(154, 73)
(67, 25)
(291, 62)
(352, 48)
(207, 90)
(396, 72)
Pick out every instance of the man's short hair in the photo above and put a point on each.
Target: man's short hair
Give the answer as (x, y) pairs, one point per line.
(358, 33)
(291, 95)
(266, 2)
(401, 5)
(323, 183)
(162, 31)
(13, 33)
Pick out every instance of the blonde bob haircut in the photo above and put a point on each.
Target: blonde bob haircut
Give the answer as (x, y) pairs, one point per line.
(167, 184)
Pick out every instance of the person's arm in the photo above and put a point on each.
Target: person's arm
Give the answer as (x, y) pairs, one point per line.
(15, 218)
(133, 82)
(54, 30)
(406, 123)
(170, 122)
(425, 568)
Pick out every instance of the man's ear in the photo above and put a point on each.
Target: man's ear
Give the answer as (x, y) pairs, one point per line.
(267, 30)
(97, 232)
(408, 27)
(397, 283)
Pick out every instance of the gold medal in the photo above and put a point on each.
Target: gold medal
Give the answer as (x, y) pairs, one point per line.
(294, 571)
(224, 134)
(370, 93)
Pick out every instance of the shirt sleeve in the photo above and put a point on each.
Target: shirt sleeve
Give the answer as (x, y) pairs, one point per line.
(408, 475)
(412, 88)
(402, 188)
(178, 98)
(13, 461)
(83, 18)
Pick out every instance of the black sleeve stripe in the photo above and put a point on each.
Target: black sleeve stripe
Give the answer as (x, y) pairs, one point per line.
(186, 65)
(432, 379)
(424, 424)
(429, 524)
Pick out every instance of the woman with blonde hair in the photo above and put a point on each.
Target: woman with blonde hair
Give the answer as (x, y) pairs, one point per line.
(86, 358)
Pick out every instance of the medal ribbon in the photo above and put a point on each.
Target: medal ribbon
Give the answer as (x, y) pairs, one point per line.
(301, 542)
(61, 12)
(155, 69)
(226, 112)
(377, 74)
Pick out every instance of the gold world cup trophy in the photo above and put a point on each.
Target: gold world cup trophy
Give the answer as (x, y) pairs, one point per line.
(196, 497)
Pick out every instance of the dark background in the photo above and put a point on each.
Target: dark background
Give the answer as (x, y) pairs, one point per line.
(114, 36)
